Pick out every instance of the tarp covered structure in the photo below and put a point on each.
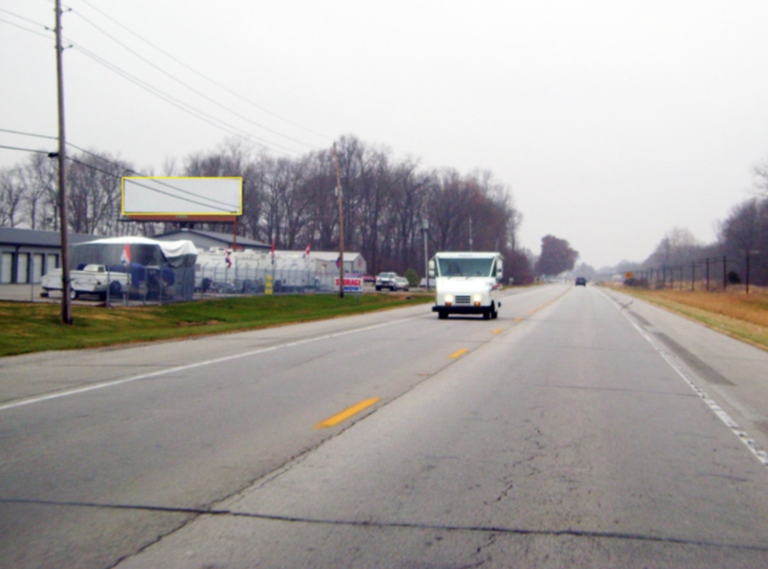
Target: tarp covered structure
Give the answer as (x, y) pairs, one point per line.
(158, 269)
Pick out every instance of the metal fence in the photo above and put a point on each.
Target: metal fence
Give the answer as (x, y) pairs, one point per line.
(218, 280)
(710, 274)
(165, 285)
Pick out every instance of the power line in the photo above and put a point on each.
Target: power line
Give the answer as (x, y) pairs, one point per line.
(24, 149)
(117, 165)
(25, 19)
(25, 29)
(205, 77)
(178, 103)
(28, 134)
(183, 84)
(113, 175)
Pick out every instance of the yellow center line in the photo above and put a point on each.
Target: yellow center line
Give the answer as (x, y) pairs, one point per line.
(344, 415)
(498, 330)
(458, 353)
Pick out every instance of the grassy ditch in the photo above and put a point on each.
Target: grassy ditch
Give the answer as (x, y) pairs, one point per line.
(743, 316)
(33, 327)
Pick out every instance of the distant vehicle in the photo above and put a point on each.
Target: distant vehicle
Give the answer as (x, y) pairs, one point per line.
(401, 283)
(467, 283)
(386, 280)
(581, 281)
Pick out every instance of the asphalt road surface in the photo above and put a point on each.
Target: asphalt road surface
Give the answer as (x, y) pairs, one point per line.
(580, 429)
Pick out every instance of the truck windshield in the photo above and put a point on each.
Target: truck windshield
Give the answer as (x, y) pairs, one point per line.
(465, 267)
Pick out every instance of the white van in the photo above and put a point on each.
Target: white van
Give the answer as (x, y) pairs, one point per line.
(467, 283)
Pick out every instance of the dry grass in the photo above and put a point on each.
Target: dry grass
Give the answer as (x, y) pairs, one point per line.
(743, 316)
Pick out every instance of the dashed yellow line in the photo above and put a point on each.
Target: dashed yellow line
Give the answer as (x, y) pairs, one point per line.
(458, 353)
(498, 330)
(344, 415)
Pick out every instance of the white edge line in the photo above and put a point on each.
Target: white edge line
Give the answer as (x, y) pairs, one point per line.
(116, 382)
(734, 427)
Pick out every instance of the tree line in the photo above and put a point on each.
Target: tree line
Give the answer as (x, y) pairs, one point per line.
(292, 202)
(741, 248)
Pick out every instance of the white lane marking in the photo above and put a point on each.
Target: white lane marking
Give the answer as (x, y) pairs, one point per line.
(116, 382)
(742, 435)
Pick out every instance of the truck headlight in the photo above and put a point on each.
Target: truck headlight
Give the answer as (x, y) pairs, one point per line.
(448, 299)
(477, 299)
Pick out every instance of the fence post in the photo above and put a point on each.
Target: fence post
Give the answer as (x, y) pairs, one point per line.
(725, 272)
(693, 273)
(707, 262)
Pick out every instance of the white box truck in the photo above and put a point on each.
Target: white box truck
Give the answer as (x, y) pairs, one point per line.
(467, 283)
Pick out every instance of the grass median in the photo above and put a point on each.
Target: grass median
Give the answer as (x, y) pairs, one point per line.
(33, 327)
(740, 315)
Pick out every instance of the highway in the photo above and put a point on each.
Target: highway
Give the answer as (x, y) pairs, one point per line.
(580, 429)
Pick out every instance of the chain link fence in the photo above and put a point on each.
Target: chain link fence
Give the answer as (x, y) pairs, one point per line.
(709, 274)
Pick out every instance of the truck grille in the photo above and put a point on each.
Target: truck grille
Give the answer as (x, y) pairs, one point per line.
(462, 299)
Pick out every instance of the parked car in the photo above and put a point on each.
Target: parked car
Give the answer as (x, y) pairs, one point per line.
(401, 283)
(386, 280)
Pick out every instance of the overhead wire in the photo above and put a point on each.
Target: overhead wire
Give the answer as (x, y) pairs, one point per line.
(26, 29)
(217, 84)
(113, 175)
(189, 109)
(111, 163)
(197, 92)
(25, 19)
(23, 149)
(197, 113)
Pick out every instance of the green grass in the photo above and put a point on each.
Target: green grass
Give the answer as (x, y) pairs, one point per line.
(28, 327)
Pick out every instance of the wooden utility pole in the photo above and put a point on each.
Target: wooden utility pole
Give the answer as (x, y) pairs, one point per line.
(341, 222)
(66, 305)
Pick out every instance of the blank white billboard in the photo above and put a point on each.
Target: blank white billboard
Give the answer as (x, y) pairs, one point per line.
(182, 196)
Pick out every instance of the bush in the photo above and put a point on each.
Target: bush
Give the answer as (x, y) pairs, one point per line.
(412, 276)
(636, 282)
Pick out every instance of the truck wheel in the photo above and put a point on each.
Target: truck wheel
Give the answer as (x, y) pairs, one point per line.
(73, 294)
(494, 312)
(378, 288)
(487, 315)
(115, 288)
(442, 315)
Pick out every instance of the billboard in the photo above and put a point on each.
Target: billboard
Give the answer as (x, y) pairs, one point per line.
(181, 197)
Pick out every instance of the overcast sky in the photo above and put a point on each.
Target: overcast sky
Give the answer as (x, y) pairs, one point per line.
(611, 121)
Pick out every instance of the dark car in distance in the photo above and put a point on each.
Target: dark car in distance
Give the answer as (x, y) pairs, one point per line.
(581, 281)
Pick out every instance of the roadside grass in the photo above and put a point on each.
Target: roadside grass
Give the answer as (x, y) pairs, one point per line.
(743, 316)
(33, 327)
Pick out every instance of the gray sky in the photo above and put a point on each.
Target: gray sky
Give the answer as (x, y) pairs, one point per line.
(611, 121)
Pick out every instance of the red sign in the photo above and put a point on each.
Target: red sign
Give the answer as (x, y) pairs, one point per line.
(351, 284)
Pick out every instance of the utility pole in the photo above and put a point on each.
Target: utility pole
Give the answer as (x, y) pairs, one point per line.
(425, 231)
(341, 222)
(66, 305)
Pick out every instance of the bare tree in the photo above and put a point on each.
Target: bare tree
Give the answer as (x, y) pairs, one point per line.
(11, 196)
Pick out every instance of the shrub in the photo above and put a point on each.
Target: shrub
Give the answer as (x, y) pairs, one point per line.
(412, 276)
